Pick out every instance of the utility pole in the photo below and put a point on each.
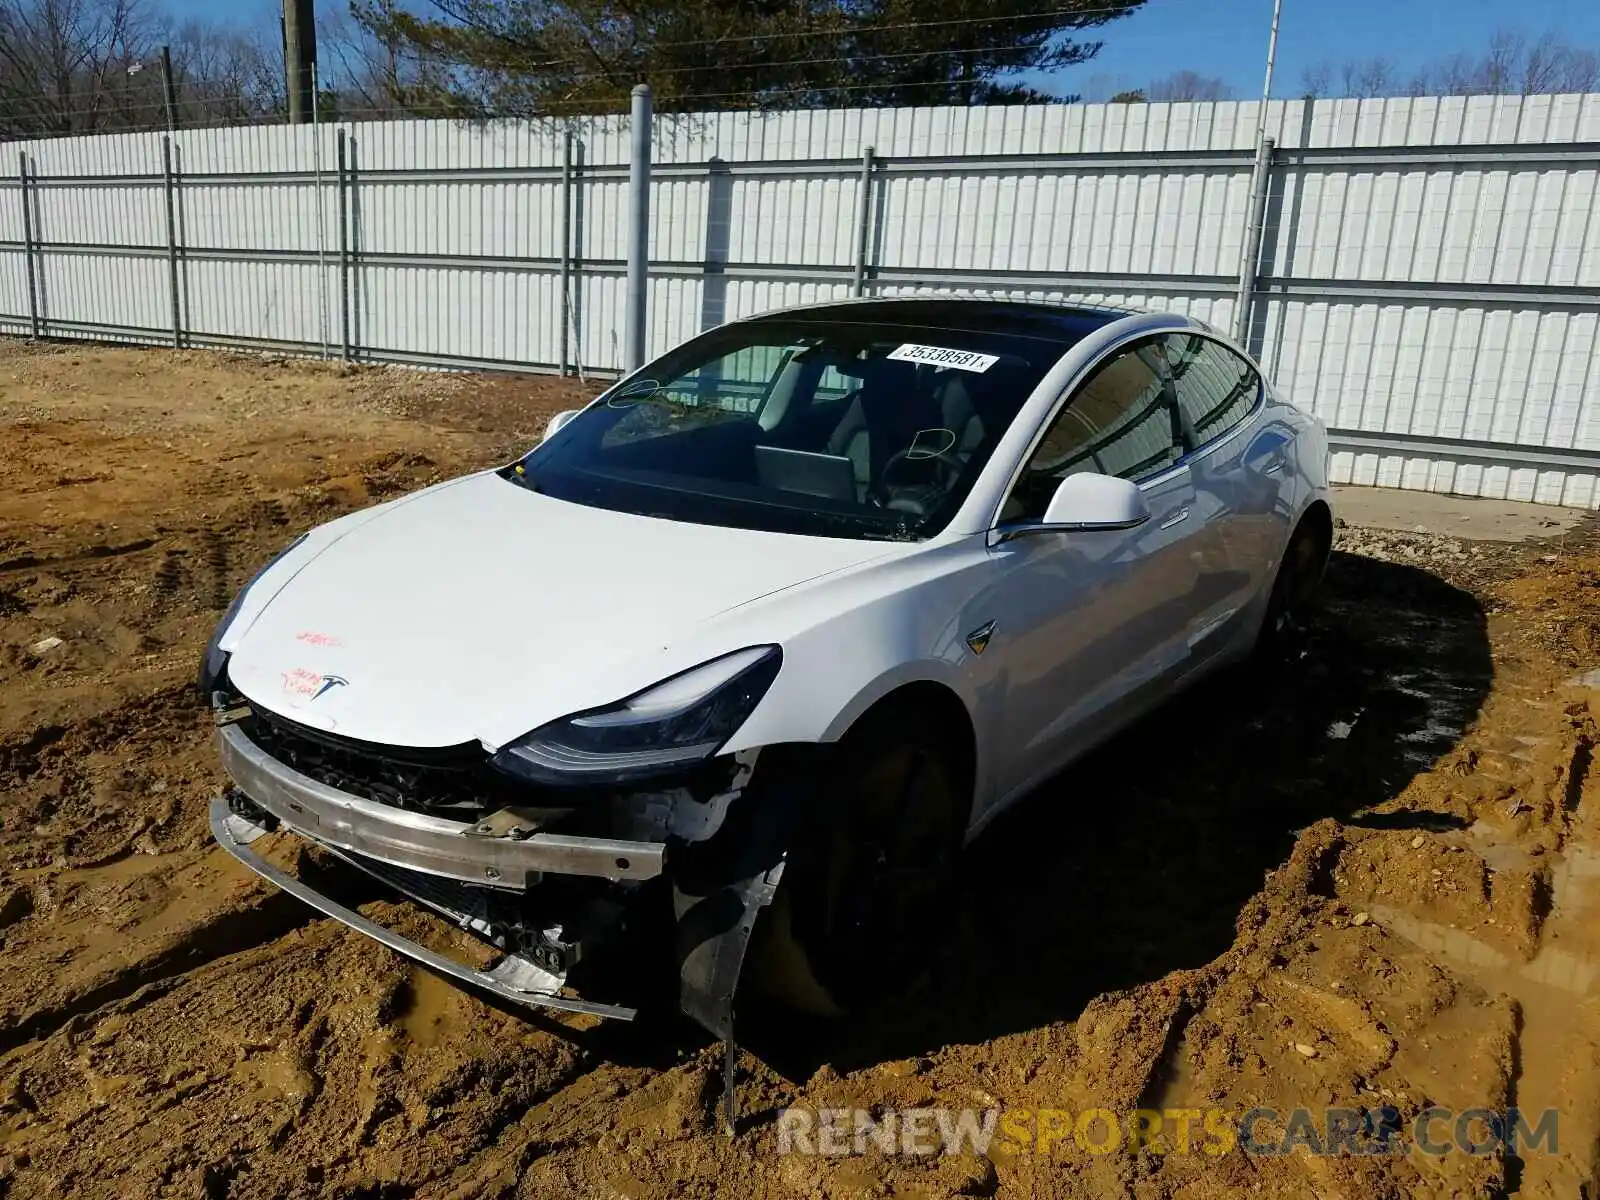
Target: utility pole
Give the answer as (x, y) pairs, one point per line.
(299, 57)
(166, 83)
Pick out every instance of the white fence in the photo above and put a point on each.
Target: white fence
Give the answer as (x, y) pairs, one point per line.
(1428, 280)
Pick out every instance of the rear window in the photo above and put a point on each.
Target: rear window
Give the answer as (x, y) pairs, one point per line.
(1216, 388)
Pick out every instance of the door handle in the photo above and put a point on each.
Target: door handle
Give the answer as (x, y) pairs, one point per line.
(1181, 515)
(1276, 467)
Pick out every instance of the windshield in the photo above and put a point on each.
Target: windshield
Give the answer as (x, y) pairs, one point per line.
(834, 429)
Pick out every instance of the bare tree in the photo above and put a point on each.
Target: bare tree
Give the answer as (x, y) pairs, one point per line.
(1102, 86)
(1316, 80)
(80, 66)
(1456, 75)
(63, 62)
(1187, 85)
(1510, 64)
(223, 76)
(1550, 65)
(1368, 77)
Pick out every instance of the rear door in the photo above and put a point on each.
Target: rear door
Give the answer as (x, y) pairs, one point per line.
(1084, 621)
(1220, 400)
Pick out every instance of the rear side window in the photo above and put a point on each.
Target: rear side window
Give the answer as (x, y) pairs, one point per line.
(1216, 388)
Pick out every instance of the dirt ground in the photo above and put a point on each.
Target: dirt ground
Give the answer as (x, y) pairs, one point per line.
(1364, 880)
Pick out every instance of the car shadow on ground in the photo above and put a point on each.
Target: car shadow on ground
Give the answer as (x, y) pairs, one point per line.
(1137, 861)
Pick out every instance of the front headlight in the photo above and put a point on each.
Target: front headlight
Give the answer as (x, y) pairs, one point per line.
(679, 722)
(213, 660)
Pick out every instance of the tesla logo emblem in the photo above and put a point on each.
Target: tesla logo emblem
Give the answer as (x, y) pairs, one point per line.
(329, 682)
(978, 639)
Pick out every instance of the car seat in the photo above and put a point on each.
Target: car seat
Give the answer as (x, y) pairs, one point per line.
(889, 410)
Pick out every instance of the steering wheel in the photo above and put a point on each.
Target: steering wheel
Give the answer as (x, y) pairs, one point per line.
(944, 461)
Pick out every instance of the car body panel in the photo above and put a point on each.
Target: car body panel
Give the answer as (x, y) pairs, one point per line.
(489, 609)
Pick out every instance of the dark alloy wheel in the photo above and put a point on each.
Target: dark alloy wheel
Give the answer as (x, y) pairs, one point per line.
(861, 900)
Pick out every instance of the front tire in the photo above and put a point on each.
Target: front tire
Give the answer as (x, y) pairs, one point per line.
(860, 901)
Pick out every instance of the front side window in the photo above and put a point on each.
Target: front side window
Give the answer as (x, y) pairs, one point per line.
(1124, 420)
(838, 429)
(1216, 388)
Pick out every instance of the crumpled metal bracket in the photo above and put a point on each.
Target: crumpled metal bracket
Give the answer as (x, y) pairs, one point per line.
(721, 885)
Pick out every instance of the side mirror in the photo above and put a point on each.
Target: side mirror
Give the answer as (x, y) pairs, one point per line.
(557, 421)
(1088, 503)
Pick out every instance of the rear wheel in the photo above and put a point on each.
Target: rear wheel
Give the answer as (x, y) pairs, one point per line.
(859, 906)
(1294, 590)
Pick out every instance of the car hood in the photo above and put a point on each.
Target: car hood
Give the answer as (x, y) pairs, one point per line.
(478, 610)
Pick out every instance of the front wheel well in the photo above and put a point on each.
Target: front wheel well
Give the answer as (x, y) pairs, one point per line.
(804, 954)
(927, 702)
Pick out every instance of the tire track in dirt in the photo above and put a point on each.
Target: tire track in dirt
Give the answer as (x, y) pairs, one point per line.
(215, 935)
(316, 1054)
(216, 563)
(29, 562)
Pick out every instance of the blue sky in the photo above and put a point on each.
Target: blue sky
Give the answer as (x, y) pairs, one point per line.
(1228, 38)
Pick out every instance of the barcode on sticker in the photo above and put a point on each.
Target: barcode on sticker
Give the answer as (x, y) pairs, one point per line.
(943, 356)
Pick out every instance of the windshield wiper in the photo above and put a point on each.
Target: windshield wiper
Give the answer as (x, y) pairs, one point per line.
(872, 528)
(900, 533)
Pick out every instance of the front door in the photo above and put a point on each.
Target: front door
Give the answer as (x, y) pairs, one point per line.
(1084, 621)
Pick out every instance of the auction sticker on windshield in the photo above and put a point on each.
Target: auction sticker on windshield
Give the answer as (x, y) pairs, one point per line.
(942, 356)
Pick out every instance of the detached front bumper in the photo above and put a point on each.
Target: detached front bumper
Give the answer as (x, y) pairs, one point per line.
(513, 978)
(418, 841)
(727, 853)
(426, 857)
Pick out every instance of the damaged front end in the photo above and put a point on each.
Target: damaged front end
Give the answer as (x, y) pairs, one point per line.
(553, 870)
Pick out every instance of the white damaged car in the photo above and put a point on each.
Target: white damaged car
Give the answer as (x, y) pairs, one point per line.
(752, 644)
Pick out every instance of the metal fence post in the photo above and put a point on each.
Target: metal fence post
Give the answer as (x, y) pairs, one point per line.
(167, 91)
(358, 227)
(169, 189)
(1249, 258)
(639, 228)
(344, 249)
(322, 247)
(864, 223)
(1250, 252)
(566, 248)
(27, 245)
